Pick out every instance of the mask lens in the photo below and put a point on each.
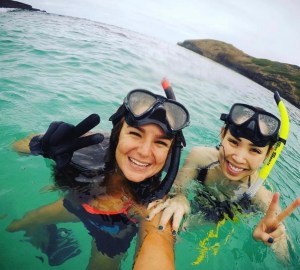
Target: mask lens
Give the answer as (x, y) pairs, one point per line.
(268, 125)
(240, 114)
(176, 115)
(140, 102)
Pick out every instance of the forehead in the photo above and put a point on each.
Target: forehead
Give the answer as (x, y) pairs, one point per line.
(153, 129)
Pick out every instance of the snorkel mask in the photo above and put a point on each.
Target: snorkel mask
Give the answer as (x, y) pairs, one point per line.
(142, 107)
(254, 124)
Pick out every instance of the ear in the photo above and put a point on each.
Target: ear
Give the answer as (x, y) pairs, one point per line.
(222, 134)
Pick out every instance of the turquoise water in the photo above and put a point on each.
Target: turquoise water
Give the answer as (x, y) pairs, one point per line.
(62, 68)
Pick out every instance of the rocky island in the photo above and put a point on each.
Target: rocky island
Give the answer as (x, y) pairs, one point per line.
(15, 4)
(275, 76)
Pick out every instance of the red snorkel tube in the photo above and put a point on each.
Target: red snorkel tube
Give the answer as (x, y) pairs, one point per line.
(179, 142)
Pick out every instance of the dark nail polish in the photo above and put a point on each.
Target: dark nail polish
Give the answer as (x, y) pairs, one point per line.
(160, 227)
(174, 233)
(270, 240)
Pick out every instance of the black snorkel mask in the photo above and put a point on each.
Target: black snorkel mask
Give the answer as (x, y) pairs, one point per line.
(142, 107)
(254, 124)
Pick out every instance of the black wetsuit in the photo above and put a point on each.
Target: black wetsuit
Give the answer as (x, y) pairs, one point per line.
(112, 231)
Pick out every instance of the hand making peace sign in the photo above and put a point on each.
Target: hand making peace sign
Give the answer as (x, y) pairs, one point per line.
(270, 228)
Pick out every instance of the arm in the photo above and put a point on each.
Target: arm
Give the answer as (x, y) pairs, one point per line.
(271, 231)
(45, 215)
(155, 247)
(61, 140)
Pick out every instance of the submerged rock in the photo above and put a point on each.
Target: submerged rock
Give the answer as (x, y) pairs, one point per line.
(275, 76)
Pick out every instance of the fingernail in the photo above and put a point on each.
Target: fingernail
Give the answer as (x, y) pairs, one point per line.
(160, 227)
(270, 240)
(147, 217)
(174, 233)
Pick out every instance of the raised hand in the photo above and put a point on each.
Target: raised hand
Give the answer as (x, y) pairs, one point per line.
(270, 228)
(62, 139)
(173, 208)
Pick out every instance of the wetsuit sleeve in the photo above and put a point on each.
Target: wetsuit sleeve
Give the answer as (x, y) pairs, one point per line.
(61, 140)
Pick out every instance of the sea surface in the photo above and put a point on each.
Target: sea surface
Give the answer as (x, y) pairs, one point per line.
(63, 68)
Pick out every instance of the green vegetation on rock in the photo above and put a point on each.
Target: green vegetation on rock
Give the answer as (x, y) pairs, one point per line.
(275, 76)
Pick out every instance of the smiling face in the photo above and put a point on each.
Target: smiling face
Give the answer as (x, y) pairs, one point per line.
(142, 152)
(239, 157)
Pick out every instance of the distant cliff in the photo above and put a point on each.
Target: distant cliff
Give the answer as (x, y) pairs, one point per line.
(15, 4)
(275, 76)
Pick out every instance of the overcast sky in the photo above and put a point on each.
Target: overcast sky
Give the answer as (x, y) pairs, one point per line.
(261, 28)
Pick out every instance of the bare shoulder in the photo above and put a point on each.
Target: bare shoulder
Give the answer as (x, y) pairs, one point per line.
(263, 198)
(203, 155)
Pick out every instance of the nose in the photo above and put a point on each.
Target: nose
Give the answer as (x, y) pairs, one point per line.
(144, 149)
(239, 156)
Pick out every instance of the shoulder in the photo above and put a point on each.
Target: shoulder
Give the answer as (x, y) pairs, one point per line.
(203, 155)
(263, 198)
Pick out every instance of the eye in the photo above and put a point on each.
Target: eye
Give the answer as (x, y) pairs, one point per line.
(233, 141)
(135, 133)
(256, 150)
(163, 143)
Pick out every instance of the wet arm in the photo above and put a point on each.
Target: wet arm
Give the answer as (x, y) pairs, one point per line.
(45, 215)
(268, 226)
(156, 247)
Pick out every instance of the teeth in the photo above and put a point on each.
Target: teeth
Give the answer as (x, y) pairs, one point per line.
(235, 168)
(139, 163)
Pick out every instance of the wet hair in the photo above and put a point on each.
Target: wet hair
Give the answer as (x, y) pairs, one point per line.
(270, 143)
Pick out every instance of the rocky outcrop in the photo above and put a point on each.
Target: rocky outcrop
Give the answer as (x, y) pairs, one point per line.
(15, 4)
(275, 76)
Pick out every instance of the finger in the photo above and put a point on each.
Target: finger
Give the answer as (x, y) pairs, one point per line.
(289, 210)
(63, 131)
(153, 204)
(87, 124)
(166, 216)
(273, 207)
(278, 232)
(51, 129)
(84, 142)
(156, 210)
(264, 237)
(177, 217)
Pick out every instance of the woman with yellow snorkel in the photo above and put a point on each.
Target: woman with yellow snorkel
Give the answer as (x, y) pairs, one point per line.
(228, 177)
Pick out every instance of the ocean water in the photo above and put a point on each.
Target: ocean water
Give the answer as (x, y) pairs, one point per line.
(63, 68)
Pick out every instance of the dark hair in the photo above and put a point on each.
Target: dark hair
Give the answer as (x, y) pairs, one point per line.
(270, 143)
(86, 185)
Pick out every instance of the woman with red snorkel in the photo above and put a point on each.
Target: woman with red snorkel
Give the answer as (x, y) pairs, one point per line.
(107, 182)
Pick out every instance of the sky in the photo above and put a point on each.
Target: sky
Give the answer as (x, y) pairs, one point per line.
(267, 29)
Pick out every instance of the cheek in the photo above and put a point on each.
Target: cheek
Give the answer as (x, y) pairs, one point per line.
(256, 162)
(121, 150)
(161, 157)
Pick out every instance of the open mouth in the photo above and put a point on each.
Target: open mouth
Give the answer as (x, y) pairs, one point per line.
(233, 169)
(138, 163)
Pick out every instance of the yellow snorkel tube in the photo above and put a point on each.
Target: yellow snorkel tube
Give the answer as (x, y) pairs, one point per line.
(277, 148)
(283, 134)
